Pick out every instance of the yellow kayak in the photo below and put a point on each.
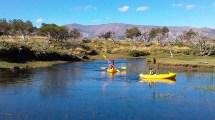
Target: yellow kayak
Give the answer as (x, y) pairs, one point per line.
(159, 76)
(112, 70)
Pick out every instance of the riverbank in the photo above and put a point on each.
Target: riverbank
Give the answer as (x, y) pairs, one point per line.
(184, 63)
(32, 64)
(38, 52)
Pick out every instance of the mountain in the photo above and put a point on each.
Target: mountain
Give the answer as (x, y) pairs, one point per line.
(92, 31)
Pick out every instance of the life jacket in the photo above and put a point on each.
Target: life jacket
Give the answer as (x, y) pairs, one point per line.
(111, 65)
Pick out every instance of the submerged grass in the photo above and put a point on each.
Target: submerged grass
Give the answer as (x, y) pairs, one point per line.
(205, 88)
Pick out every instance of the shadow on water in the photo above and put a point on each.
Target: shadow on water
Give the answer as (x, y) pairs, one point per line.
(9, 77)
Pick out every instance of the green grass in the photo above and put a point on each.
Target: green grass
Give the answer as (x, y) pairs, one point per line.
(33, 64)
(183, 59)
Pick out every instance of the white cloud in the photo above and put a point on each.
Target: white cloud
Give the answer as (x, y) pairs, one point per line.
(39, 20)
(123, 9)
(143, 8)
(177, 5)
(188, 7)
(88, 7)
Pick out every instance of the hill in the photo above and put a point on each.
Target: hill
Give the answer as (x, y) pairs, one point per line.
(92, 31)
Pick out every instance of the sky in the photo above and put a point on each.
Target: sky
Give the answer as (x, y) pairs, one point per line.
(194, 13)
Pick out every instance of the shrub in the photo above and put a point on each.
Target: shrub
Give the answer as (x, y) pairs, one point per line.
(136, 53)
(93, 52)
(85, 40)
(15, 52)
(160, 50)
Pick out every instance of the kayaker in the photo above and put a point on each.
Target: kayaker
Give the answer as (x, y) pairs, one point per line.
(111, 65)
(152, 71)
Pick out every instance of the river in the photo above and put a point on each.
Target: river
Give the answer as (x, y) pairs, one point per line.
(81, 91)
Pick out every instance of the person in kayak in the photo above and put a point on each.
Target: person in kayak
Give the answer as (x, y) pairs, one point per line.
(152, 71)
(111, 65)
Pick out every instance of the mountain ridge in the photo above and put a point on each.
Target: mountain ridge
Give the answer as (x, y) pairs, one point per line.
(92, 31)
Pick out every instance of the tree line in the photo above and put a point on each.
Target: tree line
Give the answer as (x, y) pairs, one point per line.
(18, 27)
(163, 36)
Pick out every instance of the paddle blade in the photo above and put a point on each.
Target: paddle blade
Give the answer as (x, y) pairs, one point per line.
(123, 68)
(103, 68)
(104, 56)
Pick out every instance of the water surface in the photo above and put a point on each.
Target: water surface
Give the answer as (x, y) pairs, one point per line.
(81, 91)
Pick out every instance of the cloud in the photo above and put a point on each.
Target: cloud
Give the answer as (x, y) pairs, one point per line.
(188, 7)
(39, 20)
(123, 9)
(143, 8)
(177, 5)
(87, 7)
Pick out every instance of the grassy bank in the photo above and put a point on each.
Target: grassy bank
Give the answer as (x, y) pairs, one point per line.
(182, 62)
(33, 64)
(38, 52)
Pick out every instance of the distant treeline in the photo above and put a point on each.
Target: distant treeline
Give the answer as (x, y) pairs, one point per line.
(70, 39)
(18, 27)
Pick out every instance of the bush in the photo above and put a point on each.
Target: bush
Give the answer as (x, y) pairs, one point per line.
(136, 53)
(93, 52)
(190, 52)
(160, 50)
(15, 52)
(85, 40)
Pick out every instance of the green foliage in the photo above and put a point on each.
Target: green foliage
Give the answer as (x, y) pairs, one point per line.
(4, 27)
(75, 33)
(190, 52)
(106, 35)
(132, 32)
(15, 52)
(85, 40)
(16, 27)
(136, 53)
(53, 31)
(189, 34)
(164, 30)
(159, 50)
(179, 44)
(155, 31)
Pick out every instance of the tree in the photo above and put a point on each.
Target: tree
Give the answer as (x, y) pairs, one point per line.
(202, 42)
(53, 31)
(132, 33)
(164, 31)
(107, 35)
(75, 33)
(159, 33)
(4, 27)
(153, 33)
(19, 27)
(188, 36)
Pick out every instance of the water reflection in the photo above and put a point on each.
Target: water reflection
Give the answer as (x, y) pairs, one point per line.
(9, 77)
(151, 82)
